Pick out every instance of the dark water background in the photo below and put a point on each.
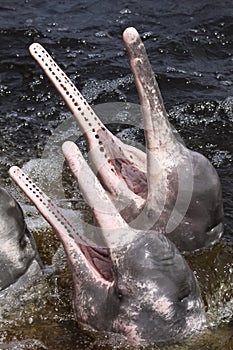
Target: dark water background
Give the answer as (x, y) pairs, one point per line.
(190, 46)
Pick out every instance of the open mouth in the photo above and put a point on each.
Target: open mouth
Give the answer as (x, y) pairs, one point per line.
(100, 260)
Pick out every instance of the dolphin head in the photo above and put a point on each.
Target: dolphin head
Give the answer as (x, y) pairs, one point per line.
(143, 290)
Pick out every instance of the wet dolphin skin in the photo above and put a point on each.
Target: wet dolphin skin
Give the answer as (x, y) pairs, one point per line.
(18, 252)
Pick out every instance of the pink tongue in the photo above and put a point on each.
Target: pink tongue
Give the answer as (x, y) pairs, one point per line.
(100, 259)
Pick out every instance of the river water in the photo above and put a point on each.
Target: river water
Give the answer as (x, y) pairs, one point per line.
(190, 46)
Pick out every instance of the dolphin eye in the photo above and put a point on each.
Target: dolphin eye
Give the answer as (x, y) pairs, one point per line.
(120, 295)
(184, 293)
(22, 242)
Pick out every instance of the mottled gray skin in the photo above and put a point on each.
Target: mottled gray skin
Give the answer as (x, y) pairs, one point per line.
(18, 253)
(154, 296)
(170, 188)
